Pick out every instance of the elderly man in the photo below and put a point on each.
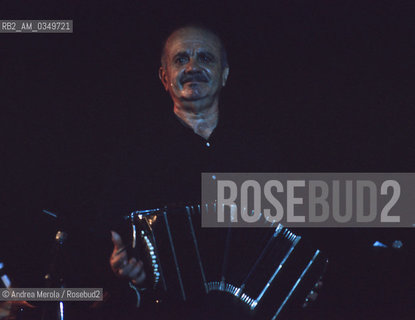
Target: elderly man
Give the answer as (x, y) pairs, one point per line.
(163, 165)
(193, 70)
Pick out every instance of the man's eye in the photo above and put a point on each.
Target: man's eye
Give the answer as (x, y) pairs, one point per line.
(205, 58)
(181, 60)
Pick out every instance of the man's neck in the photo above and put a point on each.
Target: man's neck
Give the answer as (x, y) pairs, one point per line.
(203, 122)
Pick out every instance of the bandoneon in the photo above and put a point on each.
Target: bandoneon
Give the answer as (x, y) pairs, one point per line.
(268, 272)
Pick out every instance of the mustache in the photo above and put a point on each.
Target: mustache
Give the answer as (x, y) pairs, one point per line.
(194, 77)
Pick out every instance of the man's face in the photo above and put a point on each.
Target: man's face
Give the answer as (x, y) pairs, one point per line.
(193, 69)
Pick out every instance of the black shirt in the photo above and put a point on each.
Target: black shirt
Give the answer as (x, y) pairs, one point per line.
(164, 164)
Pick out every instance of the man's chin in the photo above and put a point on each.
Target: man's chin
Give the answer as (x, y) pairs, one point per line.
(193, 96)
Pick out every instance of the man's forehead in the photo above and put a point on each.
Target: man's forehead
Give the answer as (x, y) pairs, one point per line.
(192, 39)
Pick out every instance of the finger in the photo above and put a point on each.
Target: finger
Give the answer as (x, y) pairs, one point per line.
(118, 261)
(116, 256)
(140, 279)
(119, 251)
(126, 270)
(117, 241)
(137, 270)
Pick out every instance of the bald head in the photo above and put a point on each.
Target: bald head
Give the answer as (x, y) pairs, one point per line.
(193, 33)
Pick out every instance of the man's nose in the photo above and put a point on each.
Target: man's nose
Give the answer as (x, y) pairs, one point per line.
(192, 65)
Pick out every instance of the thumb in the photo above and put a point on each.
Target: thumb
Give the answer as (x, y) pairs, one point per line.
(116, 240)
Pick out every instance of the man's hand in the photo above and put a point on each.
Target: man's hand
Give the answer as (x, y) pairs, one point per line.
(122, 267)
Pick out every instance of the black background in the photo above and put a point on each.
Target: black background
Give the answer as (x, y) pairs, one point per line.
(329, 82)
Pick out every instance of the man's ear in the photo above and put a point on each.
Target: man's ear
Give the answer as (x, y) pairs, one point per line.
(225, 74)
(163, 78)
